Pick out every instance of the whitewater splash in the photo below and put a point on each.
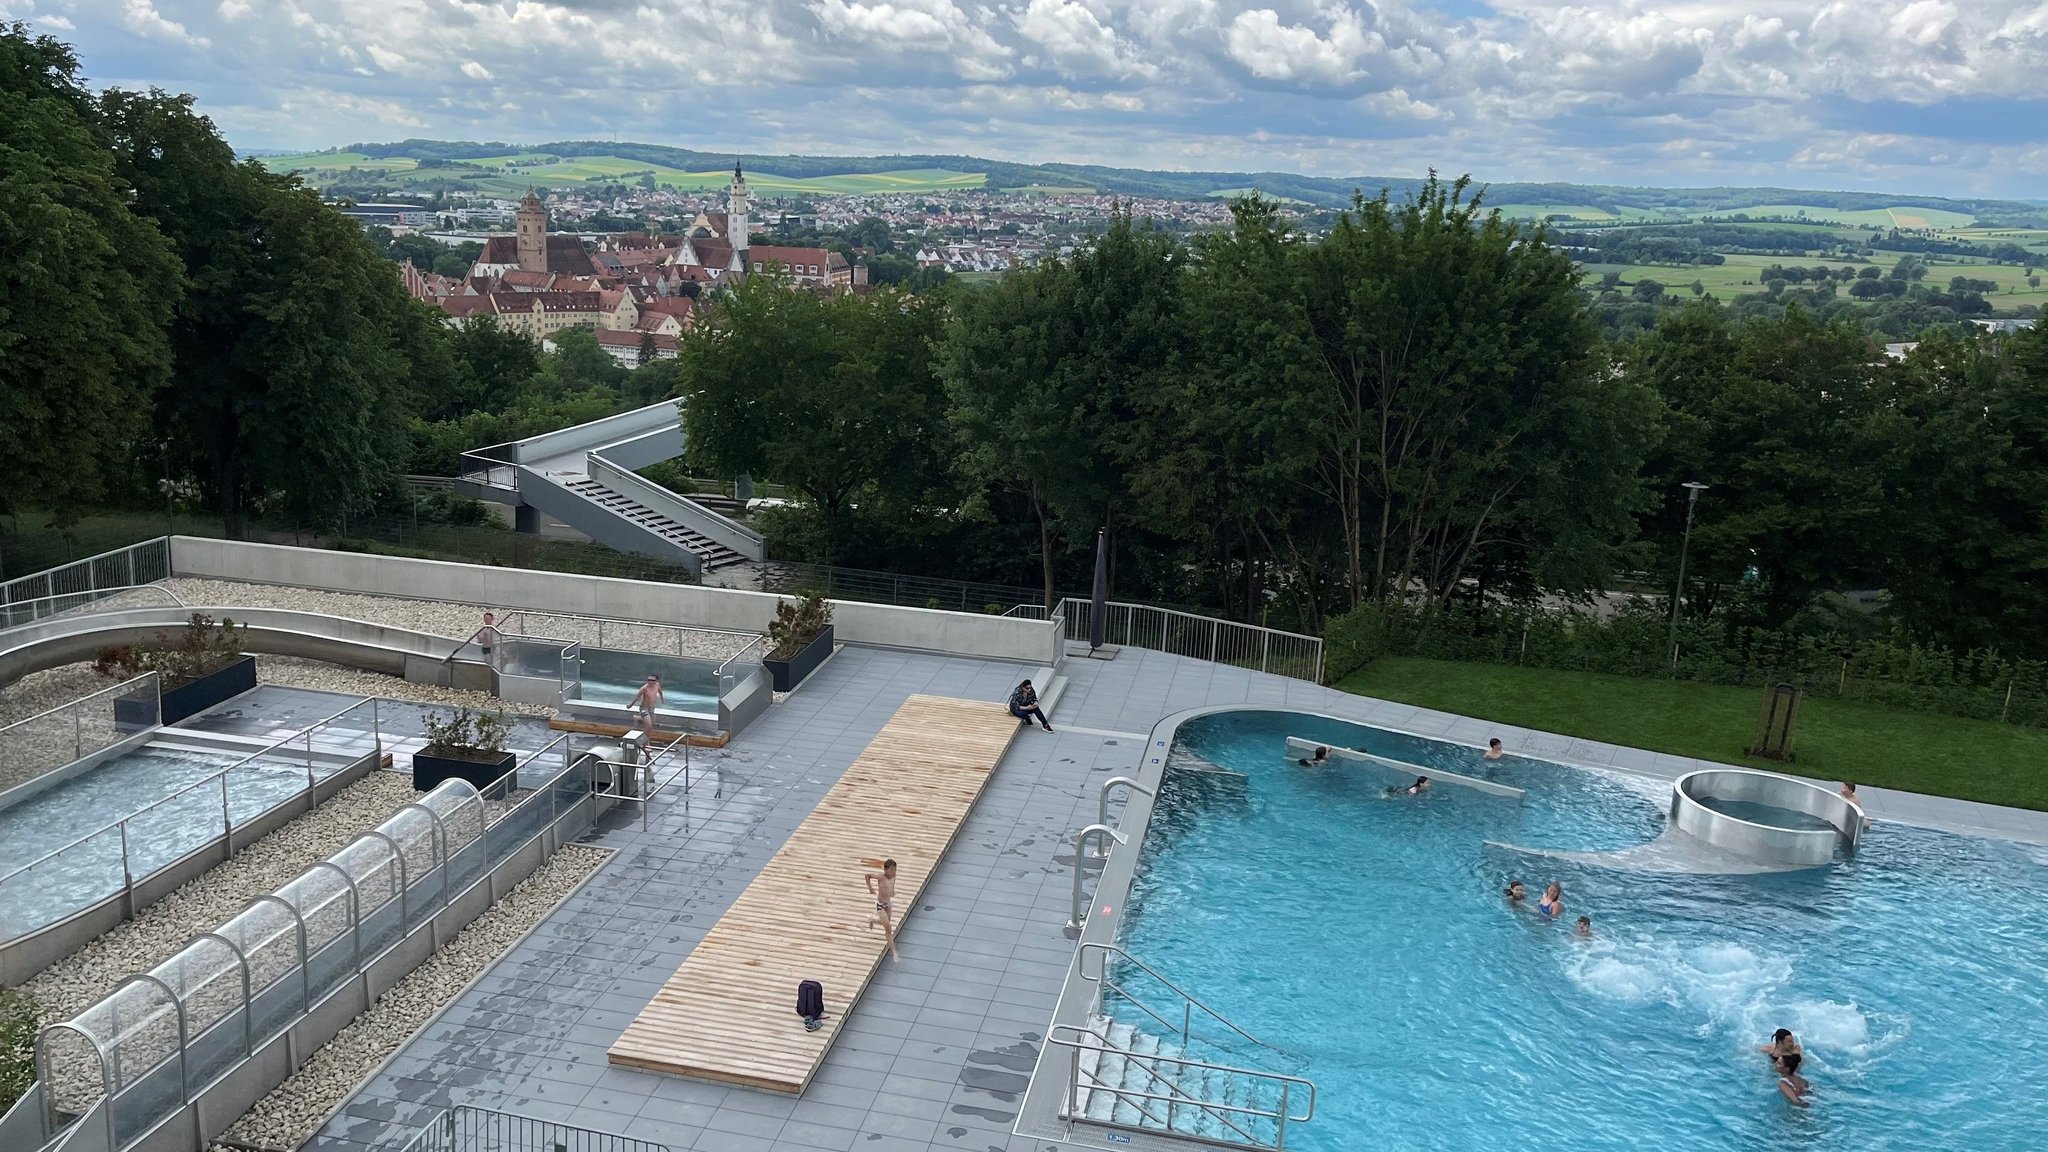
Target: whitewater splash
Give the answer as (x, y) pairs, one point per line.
(1729, 991)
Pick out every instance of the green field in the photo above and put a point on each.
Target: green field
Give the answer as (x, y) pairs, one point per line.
(512, 174)
(1901, 217)
(1912, 751)
(1587, 213)
(1743, 274)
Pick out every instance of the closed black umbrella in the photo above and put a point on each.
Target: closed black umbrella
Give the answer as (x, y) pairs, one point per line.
(1098, 604)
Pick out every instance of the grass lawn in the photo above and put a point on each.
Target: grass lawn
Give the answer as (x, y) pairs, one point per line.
(1912, 751)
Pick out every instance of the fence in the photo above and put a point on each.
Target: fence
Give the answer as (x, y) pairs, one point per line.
(61, 589)
(1188, 634)
(880, 587)
(161, 1038)
(70, 732)
(465, 1128)
(1980, 685)
(112, 859)
(628, 635)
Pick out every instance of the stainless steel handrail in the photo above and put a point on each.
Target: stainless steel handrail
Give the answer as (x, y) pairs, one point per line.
(1176, 1094)
(7, 606)
(219, 777)
(757, 642)
(1281, 1116)
(1189, 1001)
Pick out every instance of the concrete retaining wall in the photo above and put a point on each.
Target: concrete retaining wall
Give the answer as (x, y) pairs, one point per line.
(950, 633)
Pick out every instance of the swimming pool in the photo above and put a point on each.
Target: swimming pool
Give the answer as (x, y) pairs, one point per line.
(611, 676)
(1366, 937)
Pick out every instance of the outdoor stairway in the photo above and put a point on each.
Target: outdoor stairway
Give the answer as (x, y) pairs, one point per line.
(714, 555)
(1136, 1061)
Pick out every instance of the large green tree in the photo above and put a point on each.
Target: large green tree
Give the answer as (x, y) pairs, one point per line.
(87, 289)
(834, 397)
(295, 352)
(1044, 371)
(1451, 358)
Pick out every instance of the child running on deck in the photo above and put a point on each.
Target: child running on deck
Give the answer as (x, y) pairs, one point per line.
(884, 888)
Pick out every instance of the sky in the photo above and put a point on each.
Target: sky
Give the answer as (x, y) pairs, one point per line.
(1933, 97)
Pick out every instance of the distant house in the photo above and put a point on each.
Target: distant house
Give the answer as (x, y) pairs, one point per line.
(625, 347)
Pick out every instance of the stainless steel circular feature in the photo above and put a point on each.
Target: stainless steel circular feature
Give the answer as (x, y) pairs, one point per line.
(1806, 847)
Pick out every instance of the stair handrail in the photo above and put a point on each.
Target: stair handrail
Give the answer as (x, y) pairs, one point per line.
(1189, 1001)
(1282, 1117)
(1176, 1094)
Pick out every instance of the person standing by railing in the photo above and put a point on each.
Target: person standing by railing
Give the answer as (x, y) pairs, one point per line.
(487, 636)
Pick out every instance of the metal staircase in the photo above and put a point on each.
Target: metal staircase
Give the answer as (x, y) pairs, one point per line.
(714, 554)
(1164, 1083)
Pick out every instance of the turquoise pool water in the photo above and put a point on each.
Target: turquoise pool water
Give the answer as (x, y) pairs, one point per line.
(1367, 937)
(611, 676)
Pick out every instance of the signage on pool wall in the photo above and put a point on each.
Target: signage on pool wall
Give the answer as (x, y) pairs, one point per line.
(1115, 1138)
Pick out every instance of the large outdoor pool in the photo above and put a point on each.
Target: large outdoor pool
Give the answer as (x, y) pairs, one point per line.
(1366, 936)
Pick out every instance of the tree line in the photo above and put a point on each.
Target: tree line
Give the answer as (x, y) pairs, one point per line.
(175, 316)
(1416, 407)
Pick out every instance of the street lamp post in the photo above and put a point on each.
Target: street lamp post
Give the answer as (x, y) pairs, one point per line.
(1692, 498)
(170, 518)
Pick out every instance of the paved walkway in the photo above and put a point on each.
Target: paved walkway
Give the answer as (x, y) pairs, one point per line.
(939, 1050)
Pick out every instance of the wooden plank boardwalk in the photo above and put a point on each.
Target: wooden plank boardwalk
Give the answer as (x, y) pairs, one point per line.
(729, 1013)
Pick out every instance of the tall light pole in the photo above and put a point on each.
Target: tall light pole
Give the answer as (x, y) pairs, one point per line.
(1692, 498)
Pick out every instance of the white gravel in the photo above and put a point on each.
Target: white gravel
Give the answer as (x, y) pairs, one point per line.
(457, 621)
(76, 982)
(325, 677)
(291, 1113)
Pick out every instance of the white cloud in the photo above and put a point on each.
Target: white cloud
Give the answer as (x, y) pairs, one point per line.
(1671, 90)
(142, 18)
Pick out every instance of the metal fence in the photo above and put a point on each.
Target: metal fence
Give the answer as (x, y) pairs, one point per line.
(629, 635)
(161, 1037)
(68, 586)
(112, 859)
(1188, 634)
(71, 732)
(465, 1128)
(876, 587)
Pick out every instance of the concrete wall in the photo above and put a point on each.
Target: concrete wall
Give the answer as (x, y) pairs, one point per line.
(611, 429)
(952, 633)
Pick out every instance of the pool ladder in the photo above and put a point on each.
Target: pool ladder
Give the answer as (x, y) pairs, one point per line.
(1122, 1077)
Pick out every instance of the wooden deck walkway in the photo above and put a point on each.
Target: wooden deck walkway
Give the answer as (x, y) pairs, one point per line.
(729, 1013)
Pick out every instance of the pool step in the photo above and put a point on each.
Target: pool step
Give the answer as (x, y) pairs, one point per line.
(1119, 1070)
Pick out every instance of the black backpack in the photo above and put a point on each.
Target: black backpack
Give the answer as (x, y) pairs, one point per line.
(810, 1002)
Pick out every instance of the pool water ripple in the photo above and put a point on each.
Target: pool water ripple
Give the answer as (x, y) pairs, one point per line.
(1367, 935)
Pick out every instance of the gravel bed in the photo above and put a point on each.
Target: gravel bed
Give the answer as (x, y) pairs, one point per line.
(292, 1112)
(41, 691)
(456, 621)
(324, 677)
(74, 983)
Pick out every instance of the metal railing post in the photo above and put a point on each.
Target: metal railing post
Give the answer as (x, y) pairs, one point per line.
(77, 733)
(1280, 1136)
(127, 874)
(1265, 647)
(1102, 796)
(1079, 917)
(227, 822)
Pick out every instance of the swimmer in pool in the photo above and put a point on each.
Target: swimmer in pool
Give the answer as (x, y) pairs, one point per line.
(1515, 892)
(1791, 1085)
(1849, 793)
(1552, 904)
(1420, 786)
(1783, 1043)
(1584, 927)
(1493, 749)
(1322, 756)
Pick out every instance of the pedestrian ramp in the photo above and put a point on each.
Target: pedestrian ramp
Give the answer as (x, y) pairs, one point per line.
(729, 1013)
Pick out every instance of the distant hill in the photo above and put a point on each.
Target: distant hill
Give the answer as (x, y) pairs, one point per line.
(507, 169)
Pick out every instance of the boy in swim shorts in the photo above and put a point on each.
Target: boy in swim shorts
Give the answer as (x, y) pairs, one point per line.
(884, 888)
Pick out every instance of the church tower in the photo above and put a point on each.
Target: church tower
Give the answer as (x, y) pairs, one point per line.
(532, 221)
(736, 214)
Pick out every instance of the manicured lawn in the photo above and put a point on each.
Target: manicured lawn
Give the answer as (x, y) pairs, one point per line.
(1913, 751)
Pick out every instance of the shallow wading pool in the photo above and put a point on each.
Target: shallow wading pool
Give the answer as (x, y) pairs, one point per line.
(1366, 936)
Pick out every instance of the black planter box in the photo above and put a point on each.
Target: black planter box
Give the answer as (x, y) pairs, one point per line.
(791, 672)
(430, 769)
(132, 715)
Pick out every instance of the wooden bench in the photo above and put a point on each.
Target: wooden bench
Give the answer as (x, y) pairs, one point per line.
(729, 1013)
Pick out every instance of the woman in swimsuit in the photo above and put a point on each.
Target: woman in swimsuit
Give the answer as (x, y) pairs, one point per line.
(1552, 904)
(1791, 1084)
